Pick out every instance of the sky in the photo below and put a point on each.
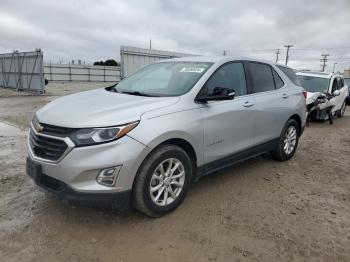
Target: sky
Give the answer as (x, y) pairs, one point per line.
(92, 30)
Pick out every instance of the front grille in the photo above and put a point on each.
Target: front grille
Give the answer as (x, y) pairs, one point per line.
(53, 130)
(46, 148)
(56, 130)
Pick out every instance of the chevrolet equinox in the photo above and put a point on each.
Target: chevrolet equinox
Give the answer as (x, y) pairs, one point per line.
(145, 140)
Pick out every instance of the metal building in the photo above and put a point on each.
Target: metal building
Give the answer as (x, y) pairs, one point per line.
(134, 58)
(346, 73)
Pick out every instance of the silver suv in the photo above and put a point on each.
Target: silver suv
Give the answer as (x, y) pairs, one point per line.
(145, 140)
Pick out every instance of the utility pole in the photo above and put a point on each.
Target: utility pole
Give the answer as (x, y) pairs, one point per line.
(277, 53)
(150, 44)
(287, 55)
(324, 60)
(334, 66)
(224, 53)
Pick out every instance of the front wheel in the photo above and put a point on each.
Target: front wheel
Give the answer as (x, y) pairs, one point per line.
(288, 141)
(341, 112)
(162, 181)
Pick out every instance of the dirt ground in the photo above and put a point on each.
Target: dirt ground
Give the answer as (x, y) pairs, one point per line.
(260, 210)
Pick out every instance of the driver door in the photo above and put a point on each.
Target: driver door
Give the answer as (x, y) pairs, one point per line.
(229, 124)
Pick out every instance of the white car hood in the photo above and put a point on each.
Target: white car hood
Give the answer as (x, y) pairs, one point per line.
(99, 108)
(311, 97)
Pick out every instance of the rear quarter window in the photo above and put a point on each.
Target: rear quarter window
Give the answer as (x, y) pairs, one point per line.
(290, 73)
(262, 77)
(278, 81)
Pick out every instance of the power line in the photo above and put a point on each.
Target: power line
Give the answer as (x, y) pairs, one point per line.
(321, 48)
(294, 49)
(314, 58)
(287, 55)
(324, 60)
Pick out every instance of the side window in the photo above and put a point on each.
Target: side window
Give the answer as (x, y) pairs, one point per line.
(334, 85)
(261, 77)
(340, 82)
(230, 76)
(278, 81)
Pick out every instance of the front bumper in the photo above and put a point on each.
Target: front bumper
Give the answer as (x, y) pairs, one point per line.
(74, 176)
(120, 200)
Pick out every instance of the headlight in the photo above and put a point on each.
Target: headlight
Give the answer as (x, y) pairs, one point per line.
(92, 136)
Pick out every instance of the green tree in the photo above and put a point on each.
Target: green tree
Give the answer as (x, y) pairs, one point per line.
(108, 62)
(111, 62)
(99, 63)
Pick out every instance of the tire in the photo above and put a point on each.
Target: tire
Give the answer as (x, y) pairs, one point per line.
(280, 153)
(341, 112)
(168, 184)
(330, 117)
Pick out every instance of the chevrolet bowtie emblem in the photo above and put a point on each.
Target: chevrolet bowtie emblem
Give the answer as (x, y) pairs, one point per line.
(38, 127)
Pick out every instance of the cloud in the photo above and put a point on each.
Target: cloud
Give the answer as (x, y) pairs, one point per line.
(93, 30)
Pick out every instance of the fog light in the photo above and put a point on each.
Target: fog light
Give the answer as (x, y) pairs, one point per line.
(108, 176)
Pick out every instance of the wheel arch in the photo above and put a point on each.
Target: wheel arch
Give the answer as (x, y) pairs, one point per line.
(297, 118)
(183, 144)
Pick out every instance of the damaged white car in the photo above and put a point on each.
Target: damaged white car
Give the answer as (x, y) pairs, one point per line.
(326, 94)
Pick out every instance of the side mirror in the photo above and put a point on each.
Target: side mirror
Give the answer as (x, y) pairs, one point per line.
(219, 94)
(336, 93)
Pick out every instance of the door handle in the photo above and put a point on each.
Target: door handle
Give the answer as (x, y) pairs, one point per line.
(248, 104)
(284, 95)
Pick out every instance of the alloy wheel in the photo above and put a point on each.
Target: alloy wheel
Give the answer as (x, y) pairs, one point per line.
(167, 182)
(290, 140)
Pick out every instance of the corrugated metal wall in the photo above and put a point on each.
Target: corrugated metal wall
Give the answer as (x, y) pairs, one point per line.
(134, 58)
(22, 70)
(347, 73)
(81, 73)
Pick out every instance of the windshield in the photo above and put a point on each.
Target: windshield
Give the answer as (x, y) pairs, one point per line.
(314, 84)
(163, 79)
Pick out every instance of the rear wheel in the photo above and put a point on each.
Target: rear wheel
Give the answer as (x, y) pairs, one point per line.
(341, 112)
(288, 141)
(162, 181)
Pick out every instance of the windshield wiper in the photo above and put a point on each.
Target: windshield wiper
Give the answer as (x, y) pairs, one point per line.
(137, 93)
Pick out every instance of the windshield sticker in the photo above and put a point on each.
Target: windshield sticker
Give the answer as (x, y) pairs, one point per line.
(198, 70)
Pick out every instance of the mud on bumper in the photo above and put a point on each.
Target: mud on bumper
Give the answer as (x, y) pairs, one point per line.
(120, 200)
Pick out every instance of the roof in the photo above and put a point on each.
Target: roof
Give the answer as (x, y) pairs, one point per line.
(215, 59)
(316, 74)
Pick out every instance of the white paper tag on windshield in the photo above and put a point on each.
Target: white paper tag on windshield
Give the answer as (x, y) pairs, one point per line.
(198, 70)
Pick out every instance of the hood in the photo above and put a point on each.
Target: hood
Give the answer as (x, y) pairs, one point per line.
(99, 108)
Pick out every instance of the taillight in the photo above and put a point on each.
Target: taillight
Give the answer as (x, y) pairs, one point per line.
(305, 93)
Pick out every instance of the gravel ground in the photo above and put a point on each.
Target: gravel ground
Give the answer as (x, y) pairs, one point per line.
(260, 210)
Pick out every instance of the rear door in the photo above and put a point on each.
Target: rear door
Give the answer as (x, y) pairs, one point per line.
(228, 125)
(272, 100)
